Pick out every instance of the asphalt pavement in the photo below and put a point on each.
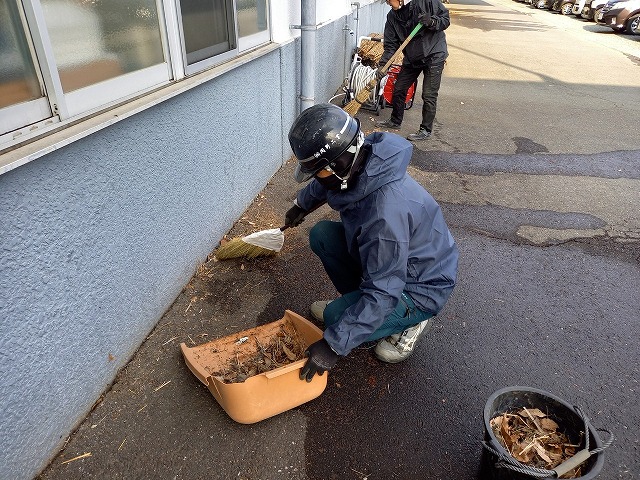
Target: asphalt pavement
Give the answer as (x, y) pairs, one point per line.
(535, 159)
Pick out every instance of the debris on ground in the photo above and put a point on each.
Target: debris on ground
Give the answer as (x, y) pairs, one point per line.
(534, 439)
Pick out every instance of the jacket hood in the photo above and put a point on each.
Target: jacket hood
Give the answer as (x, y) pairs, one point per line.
(388, 160)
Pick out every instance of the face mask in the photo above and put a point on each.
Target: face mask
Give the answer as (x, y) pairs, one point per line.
(332, 182)
(338, 181)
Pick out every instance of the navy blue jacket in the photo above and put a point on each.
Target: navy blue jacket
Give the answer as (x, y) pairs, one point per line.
(397, 231)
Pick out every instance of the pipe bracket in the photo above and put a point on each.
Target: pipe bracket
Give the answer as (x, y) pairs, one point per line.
(303, 27)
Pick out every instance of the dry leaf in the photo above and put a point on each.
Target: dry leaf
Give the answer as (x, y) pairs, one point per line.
(536, 412)
(533, 419)
(555, 454)
(548, 424)
(541, 452)
(288, 353)
(506, 435)
(496, 422)
(523, 453)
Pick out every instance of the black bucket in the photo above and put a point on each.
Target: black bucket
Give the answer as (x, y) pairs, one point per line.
(511, 398)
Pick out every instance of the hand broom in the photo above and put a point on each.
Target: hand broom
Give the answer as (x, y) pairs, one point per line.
(363, 95)
(259, 244)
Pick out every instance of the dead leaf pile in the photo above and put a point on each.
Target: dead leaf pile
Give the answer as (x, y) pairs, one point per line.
(534, 439)
(286, 347)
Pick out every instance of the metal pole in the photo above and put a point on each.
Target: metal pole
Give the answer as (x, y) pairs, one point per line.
(307, 54)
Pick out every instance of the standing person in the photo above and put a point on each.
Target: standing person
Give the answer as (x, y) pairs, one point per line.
(425, 53)
(391, 256)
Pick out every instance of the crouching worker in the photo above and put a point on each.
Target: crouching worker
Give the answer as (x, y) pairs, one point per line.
(391, 257)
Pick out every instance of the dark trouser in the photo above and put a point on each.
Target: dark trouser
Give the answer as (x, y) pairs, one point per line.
(430, 86)
(327, 240)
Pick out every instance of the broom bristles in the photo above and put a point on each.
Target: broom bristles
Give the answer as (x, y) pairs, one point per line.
(236, 248)
(362, 96)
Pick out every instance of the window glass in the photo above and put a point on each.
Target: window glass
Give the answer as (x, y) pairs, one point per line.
(18, 79)
(208, 28)
(95, 40)
(252, 16)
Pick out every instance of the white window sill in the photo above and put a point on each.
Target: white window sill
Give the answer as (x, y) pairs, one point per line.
(60, 134)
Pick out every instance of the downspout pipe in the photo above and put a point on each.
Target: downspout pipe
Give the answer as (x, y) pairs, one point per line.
(307, 54)
(357, 20)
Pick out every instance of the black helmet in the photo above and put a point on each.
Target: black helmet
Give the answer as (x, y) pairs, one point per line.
(319, 137)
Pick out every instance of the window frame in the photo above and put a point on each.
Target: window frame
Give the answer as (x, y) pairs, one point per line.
(254, 40)
(87, 99)
(34, 110)
(215, 59)
(55, 110)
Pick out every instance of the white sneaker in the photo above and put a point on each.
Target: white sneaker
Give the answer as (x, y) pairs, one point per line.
(397, 347)
(317, 309)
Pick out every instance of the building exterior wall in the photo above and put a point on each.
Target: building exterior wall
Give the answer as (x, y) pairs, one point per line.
(98, 238)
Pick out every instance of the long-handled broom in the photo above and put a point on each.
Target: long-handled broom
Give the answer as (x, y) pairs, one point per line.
(363, 95)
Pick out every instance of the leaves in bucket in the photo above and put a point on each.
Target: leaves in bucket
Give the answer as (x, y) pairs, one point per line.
(534, 439)
(282, 349)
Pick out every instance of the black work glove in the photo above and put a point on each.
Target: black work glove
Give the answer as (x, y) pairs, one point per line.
(321, 358)
(379, 73)
(425, 19)
(294, 216)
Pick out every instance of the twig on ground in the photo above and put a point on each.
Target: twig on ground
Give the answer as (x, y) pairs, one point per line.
(84, 455)
(163, 385)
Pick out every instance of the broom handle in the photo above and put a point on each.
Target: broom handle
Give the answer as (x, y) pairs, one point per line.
(400, 49)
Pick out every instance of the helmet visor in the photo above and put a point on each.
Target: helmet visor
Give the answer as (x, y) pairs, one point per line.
(300, 176)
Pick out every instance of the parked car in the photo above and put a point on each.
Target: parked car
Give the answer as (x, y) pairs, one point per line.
(578, 7)
(621, 15)
(542, 4)
(594, 9)
(563, 6)
(586, 11)
(634, 25)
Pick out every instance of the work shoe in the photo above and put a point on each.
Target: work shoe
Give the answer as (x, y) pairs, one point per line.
(388, 124)
(397, 347)
(317, 309)
(421, 134)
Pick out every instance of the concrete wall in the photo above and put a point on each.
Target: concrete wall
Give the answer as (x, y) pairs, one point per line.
(99, 237)
(333, 55)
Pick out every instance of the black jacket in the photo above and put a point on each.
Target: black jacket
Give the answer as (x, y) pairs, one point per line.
(429, 46)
